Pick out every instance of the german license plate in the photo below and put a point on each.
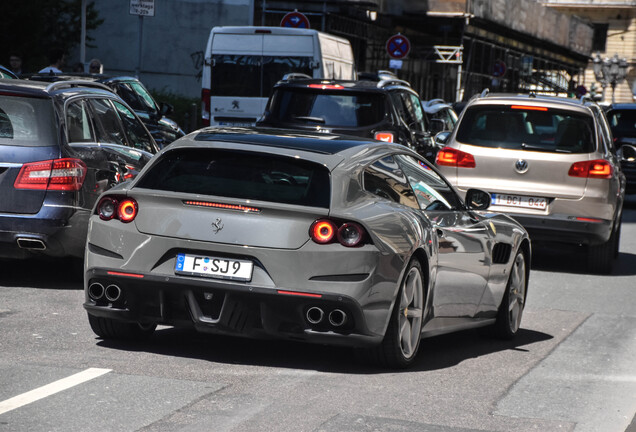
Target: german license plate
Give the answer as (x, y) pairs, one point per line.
(214, 267)
(519, 201)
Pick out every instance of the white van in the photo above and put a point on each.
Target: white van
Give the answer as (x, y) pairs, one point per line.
(242, 64)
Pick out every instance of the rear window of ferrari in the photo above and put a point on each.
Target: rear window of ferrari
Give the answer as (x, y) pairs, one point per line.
(523, 127)
(242, 175)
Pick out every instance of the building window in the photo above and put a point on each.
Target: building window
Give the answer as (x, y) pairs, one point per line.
(600, 37)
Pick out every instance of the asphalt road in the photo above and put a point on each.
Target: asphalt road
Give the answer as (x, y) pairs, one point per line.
(571, 368)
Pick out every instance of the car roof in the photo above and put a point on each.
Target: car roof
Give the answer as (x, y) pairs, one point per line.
(313, 142)
(347, 85)
(622, 106)
(582, 104)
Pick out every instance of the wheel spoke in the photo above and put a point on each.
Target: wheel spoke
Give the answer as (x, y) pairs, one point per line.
(405, 338)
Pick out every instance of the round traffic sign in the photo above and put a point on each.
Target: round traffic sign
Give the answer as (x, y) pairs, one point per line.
(398, 46)
(499, 69)
(295, 19)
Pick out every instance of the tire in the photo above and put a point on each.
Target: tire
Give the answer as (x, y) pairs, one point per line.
(600, 258)
(401, 341)
(107, 328)
(514, 300)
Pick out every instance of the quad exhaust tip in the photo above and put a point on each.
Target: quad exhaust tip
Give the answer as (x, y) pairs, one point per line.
(96, 291)
(112, 293)
(337, 317)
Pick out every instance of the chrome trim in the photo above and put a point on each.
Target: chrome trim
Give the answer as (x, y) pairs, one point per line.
(10, 165)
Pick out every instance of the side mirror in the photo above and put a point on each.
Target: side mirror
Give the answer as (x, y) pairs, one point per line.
(166, 108)
(627, 153)
(437, 125)
(477, 199)
(442, 138)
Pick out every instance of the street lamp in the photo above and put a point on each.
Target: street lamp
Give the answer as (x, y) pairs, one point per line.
(609, 71)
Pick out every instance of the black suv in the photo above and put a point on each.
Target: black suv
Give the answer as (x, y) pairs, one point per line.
(61, 145)
(131, 90)
(387, 110)
(622, 121)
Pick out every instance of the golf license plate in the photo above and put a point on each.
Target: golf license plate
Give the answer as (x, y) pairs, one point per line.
(519, 201)
(214, 267)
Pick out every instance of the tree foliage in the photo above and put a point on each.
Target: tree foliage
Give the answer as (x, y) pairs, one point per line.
(32, 28)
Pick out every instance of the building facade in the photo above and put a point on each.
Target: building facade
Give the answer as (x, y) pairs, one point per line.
(614, 23)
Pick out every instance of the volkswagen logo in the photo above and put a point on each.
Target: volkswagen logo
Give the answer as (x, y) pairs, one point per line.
(521, 166)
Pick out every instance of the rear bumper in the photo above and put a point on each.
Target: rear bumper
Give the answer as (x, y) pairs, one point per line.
(58, 232)
(564, 229)
(220, 307)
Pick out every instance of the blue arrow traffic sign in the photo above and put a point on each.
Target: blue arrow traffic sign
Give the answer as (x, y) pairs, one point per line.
(295, 19)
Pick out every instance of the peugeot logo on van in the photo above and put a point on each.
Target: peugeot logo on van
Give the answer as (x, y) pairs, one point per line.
(521, 166)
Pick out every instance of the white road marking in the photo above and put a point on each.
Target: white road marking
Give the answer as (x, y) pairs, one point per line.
(50, 389)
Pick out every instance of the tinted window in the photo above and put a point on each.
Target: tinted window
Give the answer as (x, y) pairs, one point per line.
(78, 125)
(542, 129)
(431, 190)
(138, 137)
(328, 108)
(385, 179)
(244, 175)
(136, 95)
(252, 76)
(27, 121)
(623, 123)
(107, 126)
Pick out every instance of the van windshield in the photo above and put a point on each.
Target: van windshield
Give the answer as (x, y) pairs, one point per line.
(252, 76)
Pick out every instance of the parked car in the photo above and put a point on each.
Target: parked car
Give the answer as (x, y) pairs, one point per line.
(302, 236)
(153, 114)
(387, 110)
(622, 121)
(61, 145)
(441, 115)
(549, 162)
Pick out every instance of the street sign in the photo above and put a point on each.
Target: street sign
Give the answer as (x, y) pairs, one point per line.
(142, 7)
(295, 19)
(398, 46)
(499, 69)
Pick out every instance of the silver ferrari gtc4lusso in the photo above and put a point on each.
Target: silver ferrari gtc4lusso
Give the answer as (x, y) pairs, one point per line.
(301, 236)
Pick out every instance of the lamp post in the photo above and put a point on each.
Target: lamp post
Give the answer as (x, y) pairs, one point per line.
(609, 71)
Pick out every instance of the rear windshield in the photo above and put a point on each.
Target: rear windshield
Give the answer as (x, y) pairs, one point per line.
(328, 108)
(623, 122)
(530, 128)
(243, 175)
(28, 122)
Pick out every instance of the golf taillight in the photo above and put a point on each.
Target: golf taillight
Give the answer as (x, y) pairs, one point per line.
(124, 209)
(449, 156)
(349, 234)
(58, 174)
(600, 169)
(384, 136)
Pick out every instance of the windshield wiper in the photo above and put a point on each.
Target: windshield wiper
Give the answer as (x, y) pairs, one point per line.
(311, 119)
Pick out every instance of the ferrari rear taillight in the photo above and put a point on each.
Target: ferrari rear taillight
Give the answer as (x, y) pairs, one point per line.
(59, 174)
(600, 169)
(449, 156)
(111, 207)
(384, 136)
(349, 234)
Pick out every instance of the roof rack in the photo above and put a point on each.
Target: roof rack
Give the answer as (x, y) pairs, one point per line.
(295, 76)
(393, 81)
(435, 102)
(485, 92)
(76, 83)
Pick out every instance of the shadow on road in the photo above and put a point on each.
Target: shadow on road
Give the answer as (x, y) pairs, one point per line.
(568, 259)
(42, 273)
(435, 353)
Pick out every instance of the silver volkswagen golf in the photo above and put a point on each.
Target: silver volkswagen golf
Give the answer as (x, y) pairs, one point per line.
(548, 162)
(304, 236)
